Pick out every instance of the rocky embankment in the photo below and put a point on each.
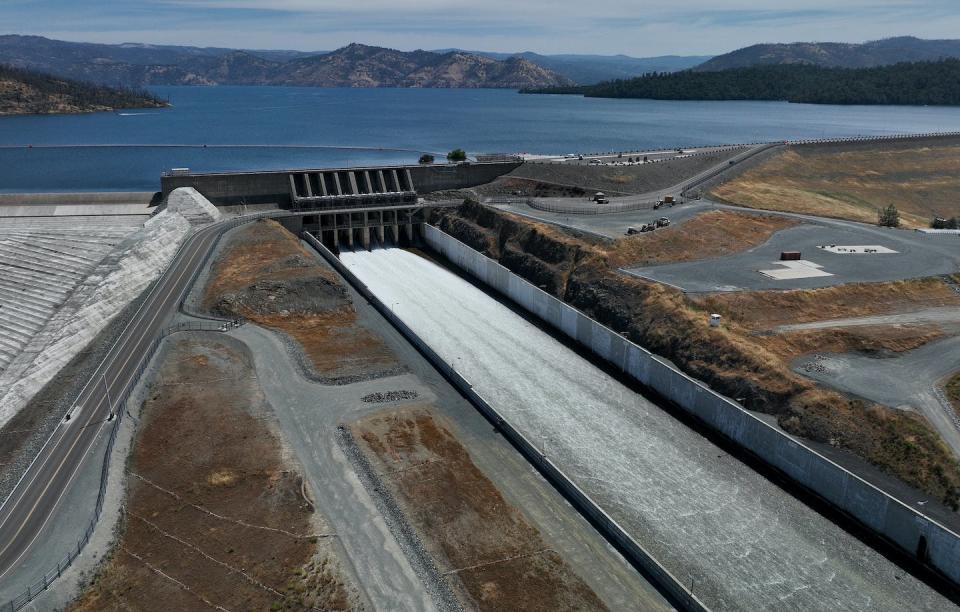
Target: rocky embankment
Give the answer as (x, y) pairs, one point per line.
(668, 323)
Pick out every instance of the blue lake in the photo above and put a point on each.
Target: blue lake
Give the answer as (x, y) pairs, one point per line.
(393, 125)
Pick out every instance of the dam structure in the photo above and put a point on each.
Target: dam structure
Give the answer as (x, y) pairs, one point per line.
(342, 207)
(734, 538)
(333, 187)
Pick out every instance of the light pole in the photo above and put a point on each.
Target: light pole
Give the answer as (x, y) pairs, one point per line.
(103, 377)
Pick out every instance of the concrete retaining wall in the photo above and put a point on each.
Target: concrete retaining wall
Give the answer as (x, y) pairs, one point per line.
(610, 528)
(273, 186)
(461, 176)
(886, 516)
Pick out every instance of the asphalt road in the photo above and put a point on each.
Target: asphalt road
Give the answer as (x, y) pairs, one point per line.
(646, 200)
(38, 494)
(909, 380)
(916, 255)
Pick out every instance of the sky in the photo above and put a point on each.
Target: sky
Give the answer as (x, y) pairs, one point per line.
(638, 28)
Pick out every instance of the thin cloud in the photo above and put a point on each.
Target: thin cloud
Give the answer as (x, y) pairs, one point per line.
(653, 27)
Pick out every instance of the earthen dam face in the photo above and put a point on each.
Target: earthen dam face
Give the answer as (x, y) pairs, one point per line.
(737, 540)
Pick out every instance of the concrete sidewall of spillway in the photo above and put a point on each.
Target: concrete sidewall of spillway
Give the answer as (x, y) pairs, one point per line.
(875, 509)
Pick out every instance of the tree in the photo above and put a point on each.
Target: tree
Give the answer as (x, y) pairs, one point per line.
(457, 155)
(888, 217)
(426, 158)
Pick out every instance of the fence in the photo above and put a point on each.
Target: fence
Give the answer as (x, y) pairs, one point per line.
(727, 147)
(638, 555)
(714, 149)
(902, 526)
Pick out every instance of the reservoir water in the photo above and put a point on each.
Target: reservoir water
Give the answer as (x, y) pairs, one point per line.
(372, 126)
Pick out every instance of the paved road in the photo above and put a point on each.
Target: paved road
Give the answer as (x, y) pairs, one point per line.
(911, 379)
(948, 315)
(915, 255)
(573, 159)
(37, 495)
(646, 200)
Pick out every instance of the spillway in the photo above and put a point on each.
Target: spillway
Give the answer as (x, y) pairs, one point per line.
(739, 541)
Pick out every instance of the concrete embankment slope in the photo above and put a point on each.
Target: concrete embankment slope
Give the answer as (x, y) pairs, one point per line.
(739, 541)
(92, 204)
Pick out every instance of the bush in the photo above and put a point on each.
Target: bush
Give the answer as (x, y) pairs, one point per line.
(426, 158)
(457, 155)
(889, 216)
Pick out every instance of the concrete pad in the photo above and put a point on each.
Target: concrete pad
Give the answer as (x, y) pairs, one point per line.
(856, 250)
(795, 269)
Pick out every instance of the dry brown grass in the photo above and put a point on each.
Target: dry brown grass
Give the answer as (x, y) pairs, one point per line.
(871, 339)
(921, 182)
(255, 254)
(953, 391)
(328, 334)
(500, 559)
(214, 515)
(333, 342)
(760, 310)
(711, 234)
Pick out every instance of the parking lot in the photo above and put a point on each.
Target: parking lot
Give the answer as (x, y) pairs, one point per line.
(831, 253)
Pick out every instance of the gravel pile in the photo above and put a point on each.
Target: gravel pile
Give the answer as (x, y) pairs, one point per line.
(389, 396)
(815, 365)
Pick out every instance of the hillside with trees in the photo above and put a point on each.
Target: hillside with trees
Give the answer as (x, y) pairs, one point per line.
(919, 83)
(24, 92)
(838, 55)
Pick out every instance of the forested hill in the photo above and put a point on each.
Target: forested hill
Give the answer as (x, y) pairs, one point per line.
(25, 92)
(838, 55)
(920, 83)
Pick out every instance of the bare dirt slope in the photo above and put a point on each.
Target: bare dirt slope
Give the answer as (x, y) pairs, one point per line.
(624, 179)
(216, 516)
(265, 275)
(730, 359)
(763, 310)
(760, 313)
(496, 559)
(850, 181)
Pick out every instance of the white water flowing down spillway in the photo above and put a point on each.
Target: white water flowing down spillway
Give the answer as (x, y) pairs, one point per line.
(735, 538)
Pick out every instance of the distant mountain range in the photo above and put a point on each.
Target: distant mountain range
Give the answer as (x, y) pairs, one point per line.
(135, 65)
(837, 55)
(590, 69)
(356, 65)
